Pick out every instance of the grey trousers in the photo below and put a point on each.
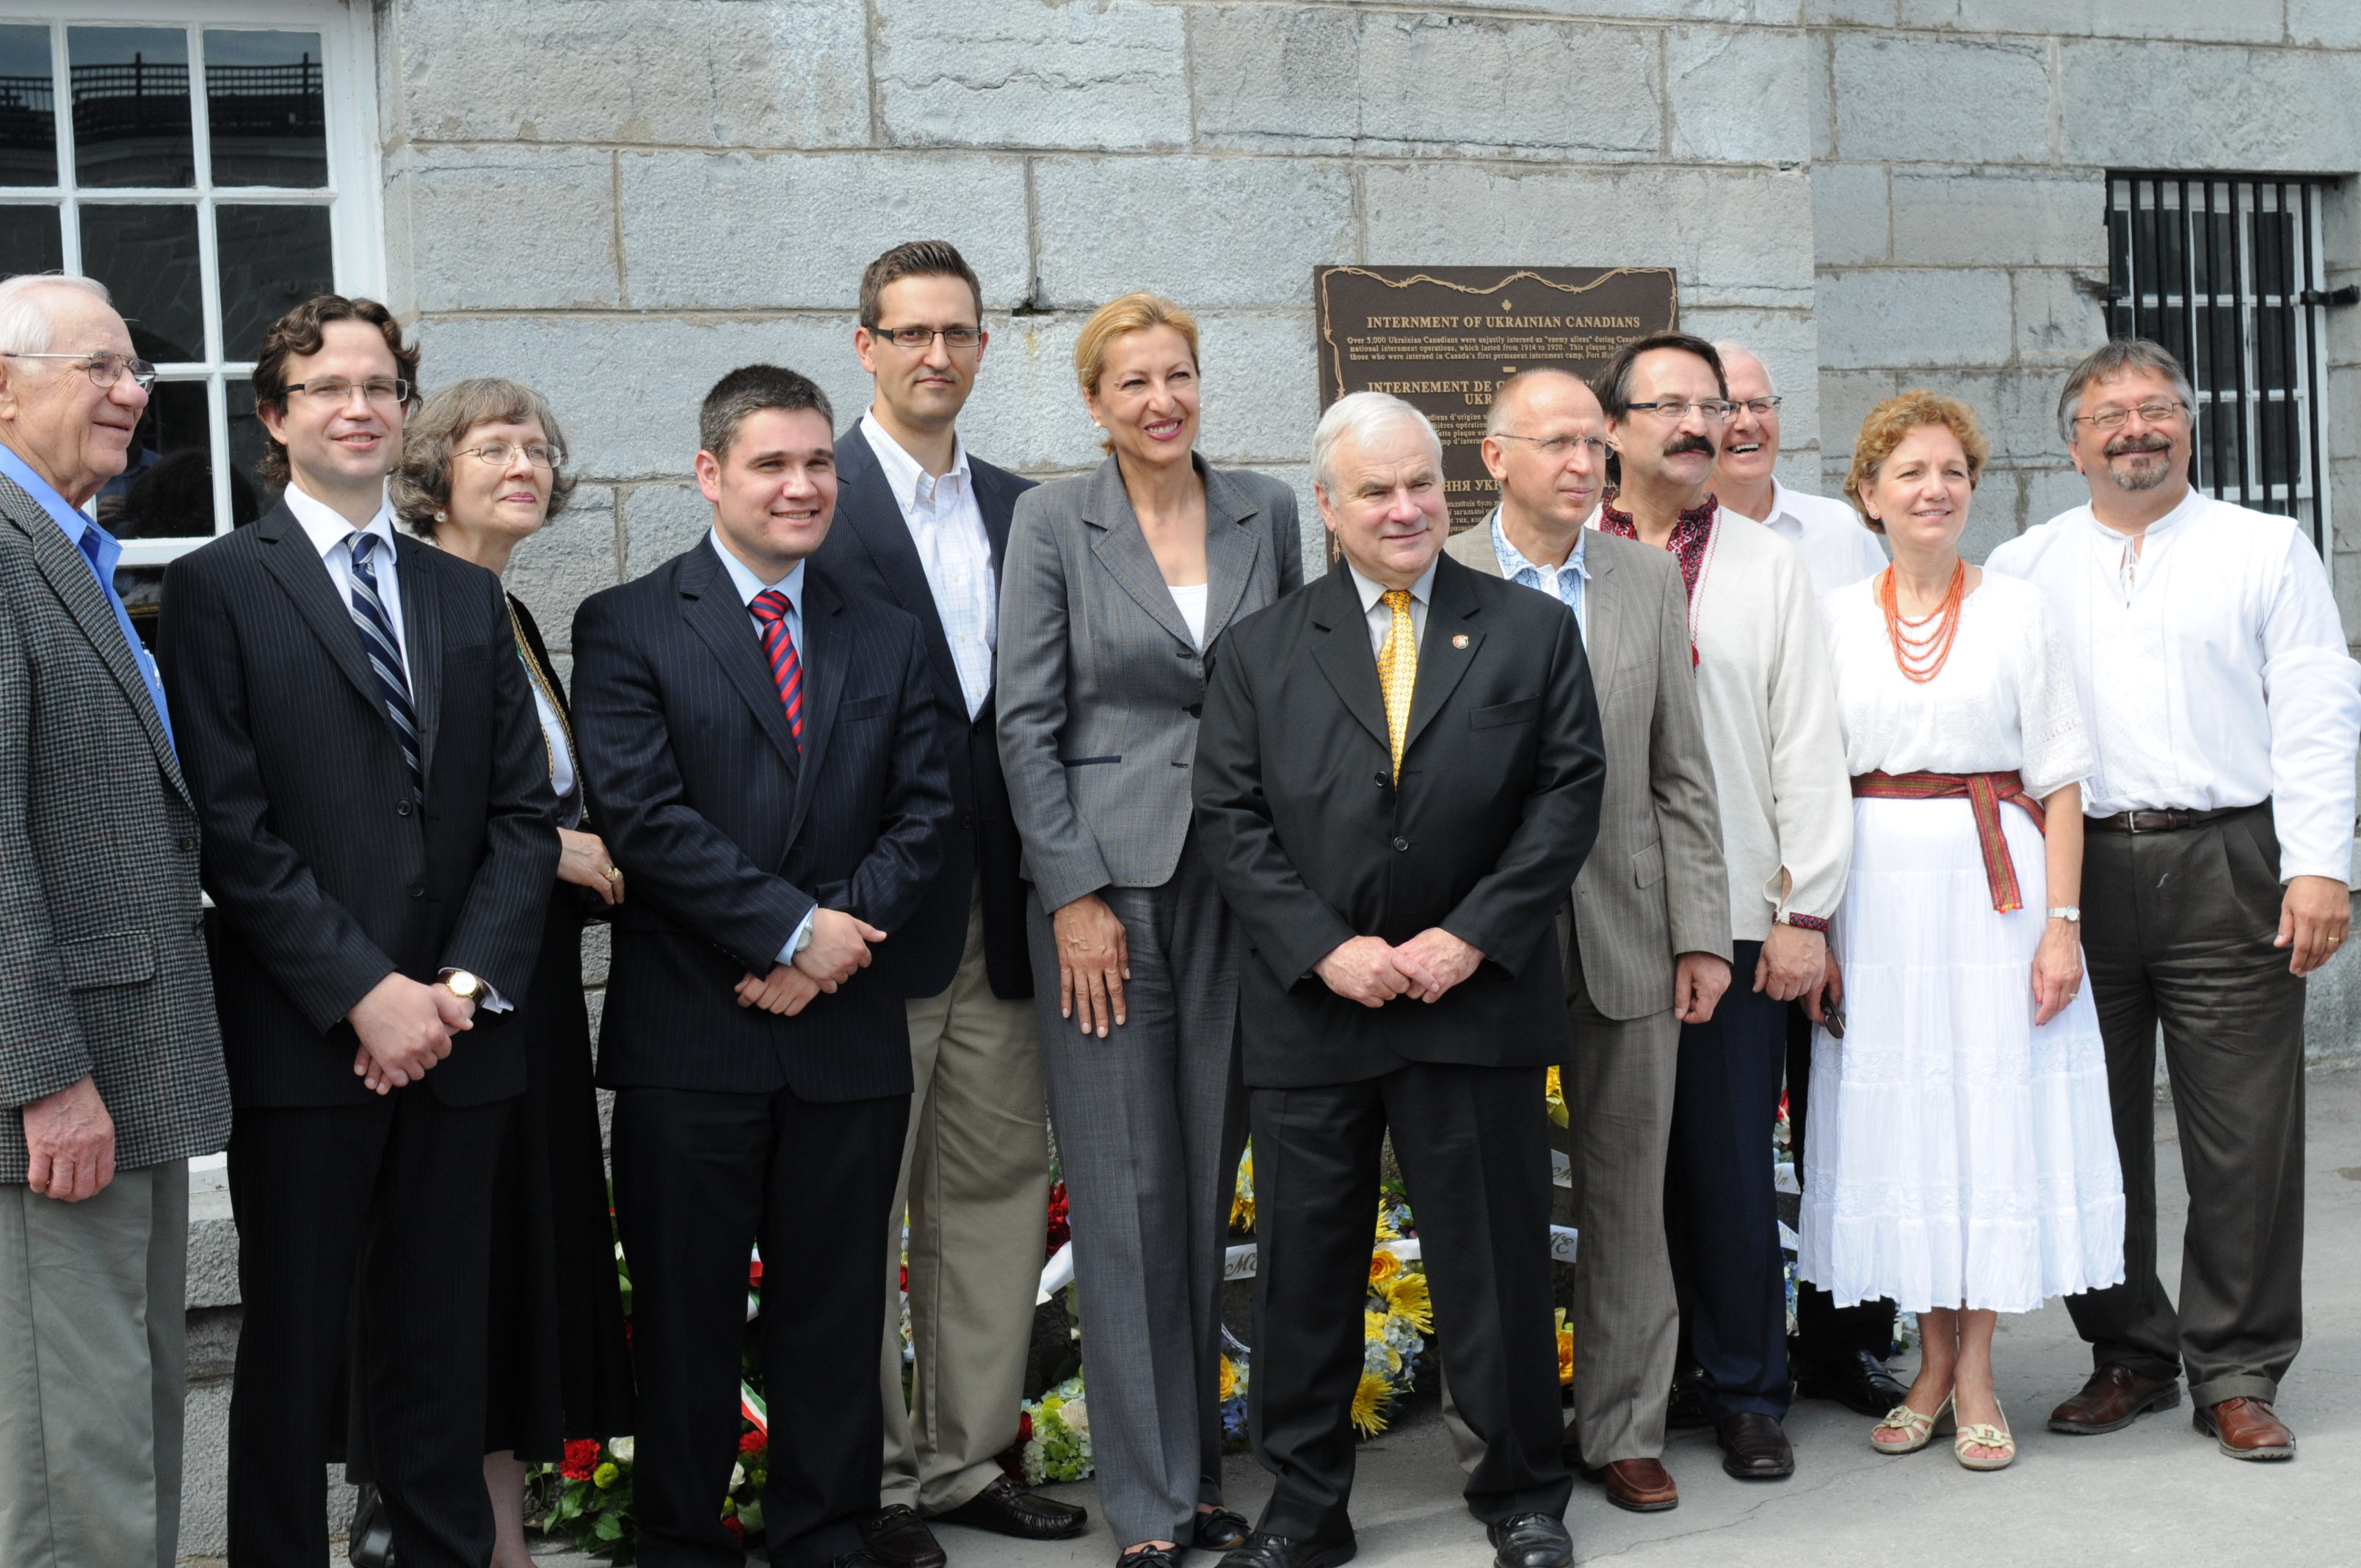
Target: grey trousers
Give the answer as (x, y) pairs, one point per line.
(93, 1320)
(975, 1184)
(1618, 1102)
(2176, 929)
(1149, 1122)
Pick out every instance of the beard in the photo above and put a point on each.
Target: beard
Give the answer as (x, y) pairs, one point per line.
(2141, 476)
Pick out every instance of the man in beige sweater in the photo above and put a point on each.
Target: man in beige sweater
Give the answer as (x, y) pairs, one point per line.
(1769, 705)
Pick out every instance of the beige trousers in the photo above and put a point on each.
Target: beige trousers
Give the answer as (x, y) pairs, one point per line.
(93, 1326)
(975, 1183)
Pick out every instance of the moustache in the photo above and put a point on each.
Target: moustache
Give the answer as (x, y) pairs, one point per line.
(1697, 443)
(2138, 444)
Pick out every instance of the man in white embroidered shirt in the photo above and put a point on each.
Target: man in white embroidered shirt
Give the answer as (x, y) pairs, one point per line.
(920, 523)
(2225, 709)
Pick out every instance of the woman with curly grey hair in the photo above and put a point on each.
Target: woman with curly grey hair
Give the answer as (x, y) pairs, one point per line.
(483, 470)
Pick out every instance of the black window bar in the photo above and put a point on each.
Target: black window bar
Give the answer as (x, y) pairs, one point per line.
(2228, 273)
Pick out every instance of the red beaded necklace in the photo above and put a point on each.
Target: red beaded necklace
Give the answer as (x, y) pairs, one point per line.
(1921, 647)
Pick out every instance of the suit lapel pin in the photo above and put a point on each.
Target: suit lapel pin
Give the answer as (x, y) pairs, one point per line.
(1460, 641)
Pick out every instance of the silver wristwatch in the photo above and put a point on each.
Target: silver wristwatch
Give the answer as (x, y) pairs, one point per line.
(2068, 912)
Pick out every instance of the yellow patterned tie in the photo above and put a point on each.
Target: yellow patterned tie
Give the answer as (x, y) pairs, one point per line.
(1397, 673)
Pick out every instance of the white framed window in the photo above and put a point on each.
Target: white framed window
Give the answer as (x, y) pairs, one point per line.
(212, 165)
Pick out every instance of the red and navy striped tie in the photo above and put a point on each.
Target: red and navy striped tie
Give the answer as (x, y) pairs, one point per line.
(771, 608)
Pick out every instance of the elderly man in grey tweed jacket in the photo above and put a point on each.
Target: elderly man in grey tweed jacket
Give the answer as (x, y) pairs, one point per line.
(110, 1058)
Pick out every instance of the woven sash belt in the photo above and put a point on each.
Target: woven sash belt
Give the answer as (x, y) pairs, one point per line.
(1983, 793)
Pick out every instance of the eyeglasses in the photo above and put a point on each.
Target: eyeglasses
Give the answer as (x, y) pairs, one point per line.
(2157, 412)
(383, 391)
(1555, 447)
(1667, 410)
(924, 336)
(1758, 407)
(104, 369)
(496, 453)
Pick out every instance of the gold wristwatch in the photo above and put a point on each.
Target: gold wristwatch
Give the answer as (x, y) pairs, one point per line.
(463, 985)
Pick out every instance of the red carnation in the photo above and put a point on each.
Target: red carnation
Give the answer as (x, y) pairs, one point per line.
(581, 1458)
(1061, 1228)
(1024, 1428)
(753, 1439)
(736, 1531)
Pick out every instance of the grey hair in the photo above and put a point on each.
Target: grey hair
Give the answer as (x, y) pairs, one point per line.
(2115, 359)
(1355, 415)
(421, 486)
(1496, 418)
(25, 326)
(1729, 347)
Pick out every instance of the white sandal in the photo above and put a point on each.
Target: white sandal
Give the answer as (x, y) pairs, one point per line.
(1922, 1428)
(1983, 1434)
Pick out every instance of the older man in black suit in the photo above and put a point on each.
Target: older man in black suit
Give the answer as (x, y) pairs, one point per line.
(760, 749)
(1399, 774)
(378, 836)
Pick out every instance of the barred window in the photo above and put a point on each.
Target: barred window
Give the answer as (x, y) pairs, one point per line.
(2228, 273)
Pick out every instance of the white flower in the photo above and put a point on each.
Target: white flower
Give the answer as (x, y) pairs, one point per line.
(1076, 1415)
(737, 1476)
(619, 1449)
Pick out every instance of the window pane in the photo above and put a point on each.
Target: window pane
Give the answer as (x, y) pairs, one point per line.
(147, 257)
(246, 439)
(28, 112)
(264, 105)
(131, 106)
(166, 491)
(272, 259)
(30, 240)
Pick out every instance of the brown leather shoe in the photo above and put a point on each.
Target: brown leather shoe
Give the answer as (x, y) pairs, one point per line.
(2113, 1400)
(1642, 1485)
(1005, 1509)
(2247, 1429)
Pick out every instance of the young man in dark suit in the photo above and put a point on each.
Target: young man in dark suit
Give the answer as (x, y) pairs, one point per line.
(921, 523)
(760, 748)
(1398, 776)
(379, 839)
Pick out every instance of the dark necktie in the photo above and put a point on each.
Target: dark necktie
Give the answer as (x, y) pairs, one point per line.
(385, 654)
(771, 608)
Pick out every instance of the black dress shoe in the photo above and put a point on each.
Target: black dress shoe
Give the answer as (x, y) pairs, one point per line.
(855, 1560)
(898, 1538)
(1005, 1509)
(1858, 1381)
(1266, 1550)
(1685, 1407)
(1218, 1529)
(369, 1543)
(1150, 1557)
(1755, 1447)
(1531, 1541)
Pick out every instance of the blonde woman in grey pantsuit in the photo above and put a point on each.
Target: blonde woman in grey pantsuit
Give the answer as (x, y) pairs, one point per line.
(1114, 584)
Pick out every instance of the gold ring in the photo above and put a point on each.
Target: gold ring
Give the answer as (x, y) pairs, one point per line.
(611, 872)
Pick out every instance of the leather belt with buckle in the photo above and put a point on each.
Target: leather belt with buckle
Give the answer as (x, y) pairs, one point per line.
(2165, 821)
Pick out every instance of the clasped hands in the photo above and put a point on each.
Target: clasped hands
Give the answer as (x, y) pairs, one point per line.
(1373, 971)
(405, 1028)
(839, 945)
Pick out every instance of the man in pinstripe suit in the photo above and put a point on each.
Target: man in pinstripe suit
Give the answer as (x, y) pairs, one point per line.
(379, 840)
(760, 749)
(110, 1064)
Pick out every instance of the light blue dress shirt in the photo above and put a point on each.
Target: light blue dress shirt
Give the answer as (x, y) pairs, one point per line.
(102, 551)
(1568, 583)
(792, 584)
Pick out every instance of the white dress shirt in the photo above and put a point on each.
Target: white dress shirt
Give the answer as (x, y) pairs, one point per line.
(747, 585)
(2214, 669)
(947, 526)
(331, 535)
(1837, 546)
(1380, 617)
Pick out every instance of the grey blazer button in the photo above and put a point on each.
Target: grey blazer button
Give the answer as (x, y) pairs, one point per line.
(1402, 843)
(418, 890)
(401, 808)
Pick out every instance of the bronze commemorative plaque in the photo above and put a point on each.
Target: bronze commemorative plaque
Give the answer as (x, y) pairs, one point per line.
(1443, 337)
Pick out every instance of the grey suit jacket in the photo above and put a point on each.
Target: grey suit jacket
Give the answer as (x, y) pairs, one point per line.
(103, 971)
(1099, 686)
(1655, 885)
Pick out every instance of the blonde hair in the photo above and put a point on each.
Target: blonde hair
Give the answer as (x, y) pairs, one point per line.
(1890, 422)
(1131, 312)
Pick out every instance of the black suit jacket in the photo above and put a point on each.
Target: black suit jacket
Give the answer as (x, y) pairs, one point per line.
(327, 872)
(729, 836)
(869, 554)
(1314, 843)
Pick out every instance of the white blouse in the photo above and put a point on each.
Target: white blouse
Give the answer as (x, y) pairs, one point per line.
(1190, 602)
(2004, 700)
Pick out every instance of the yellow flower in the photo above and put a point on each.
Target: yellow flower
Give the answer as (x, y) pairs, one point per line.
(1383, 1267)
(1370, 1402)
(1407, 1297)
(1242, 1202)
(1556, 1094)
(1565, 1348)
(604, 1476)
(1229, 1380)
(1386, 1231)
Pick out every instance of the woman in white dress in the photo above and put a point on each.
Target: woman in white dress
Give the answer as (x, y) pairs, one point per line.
(1962, 1160)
